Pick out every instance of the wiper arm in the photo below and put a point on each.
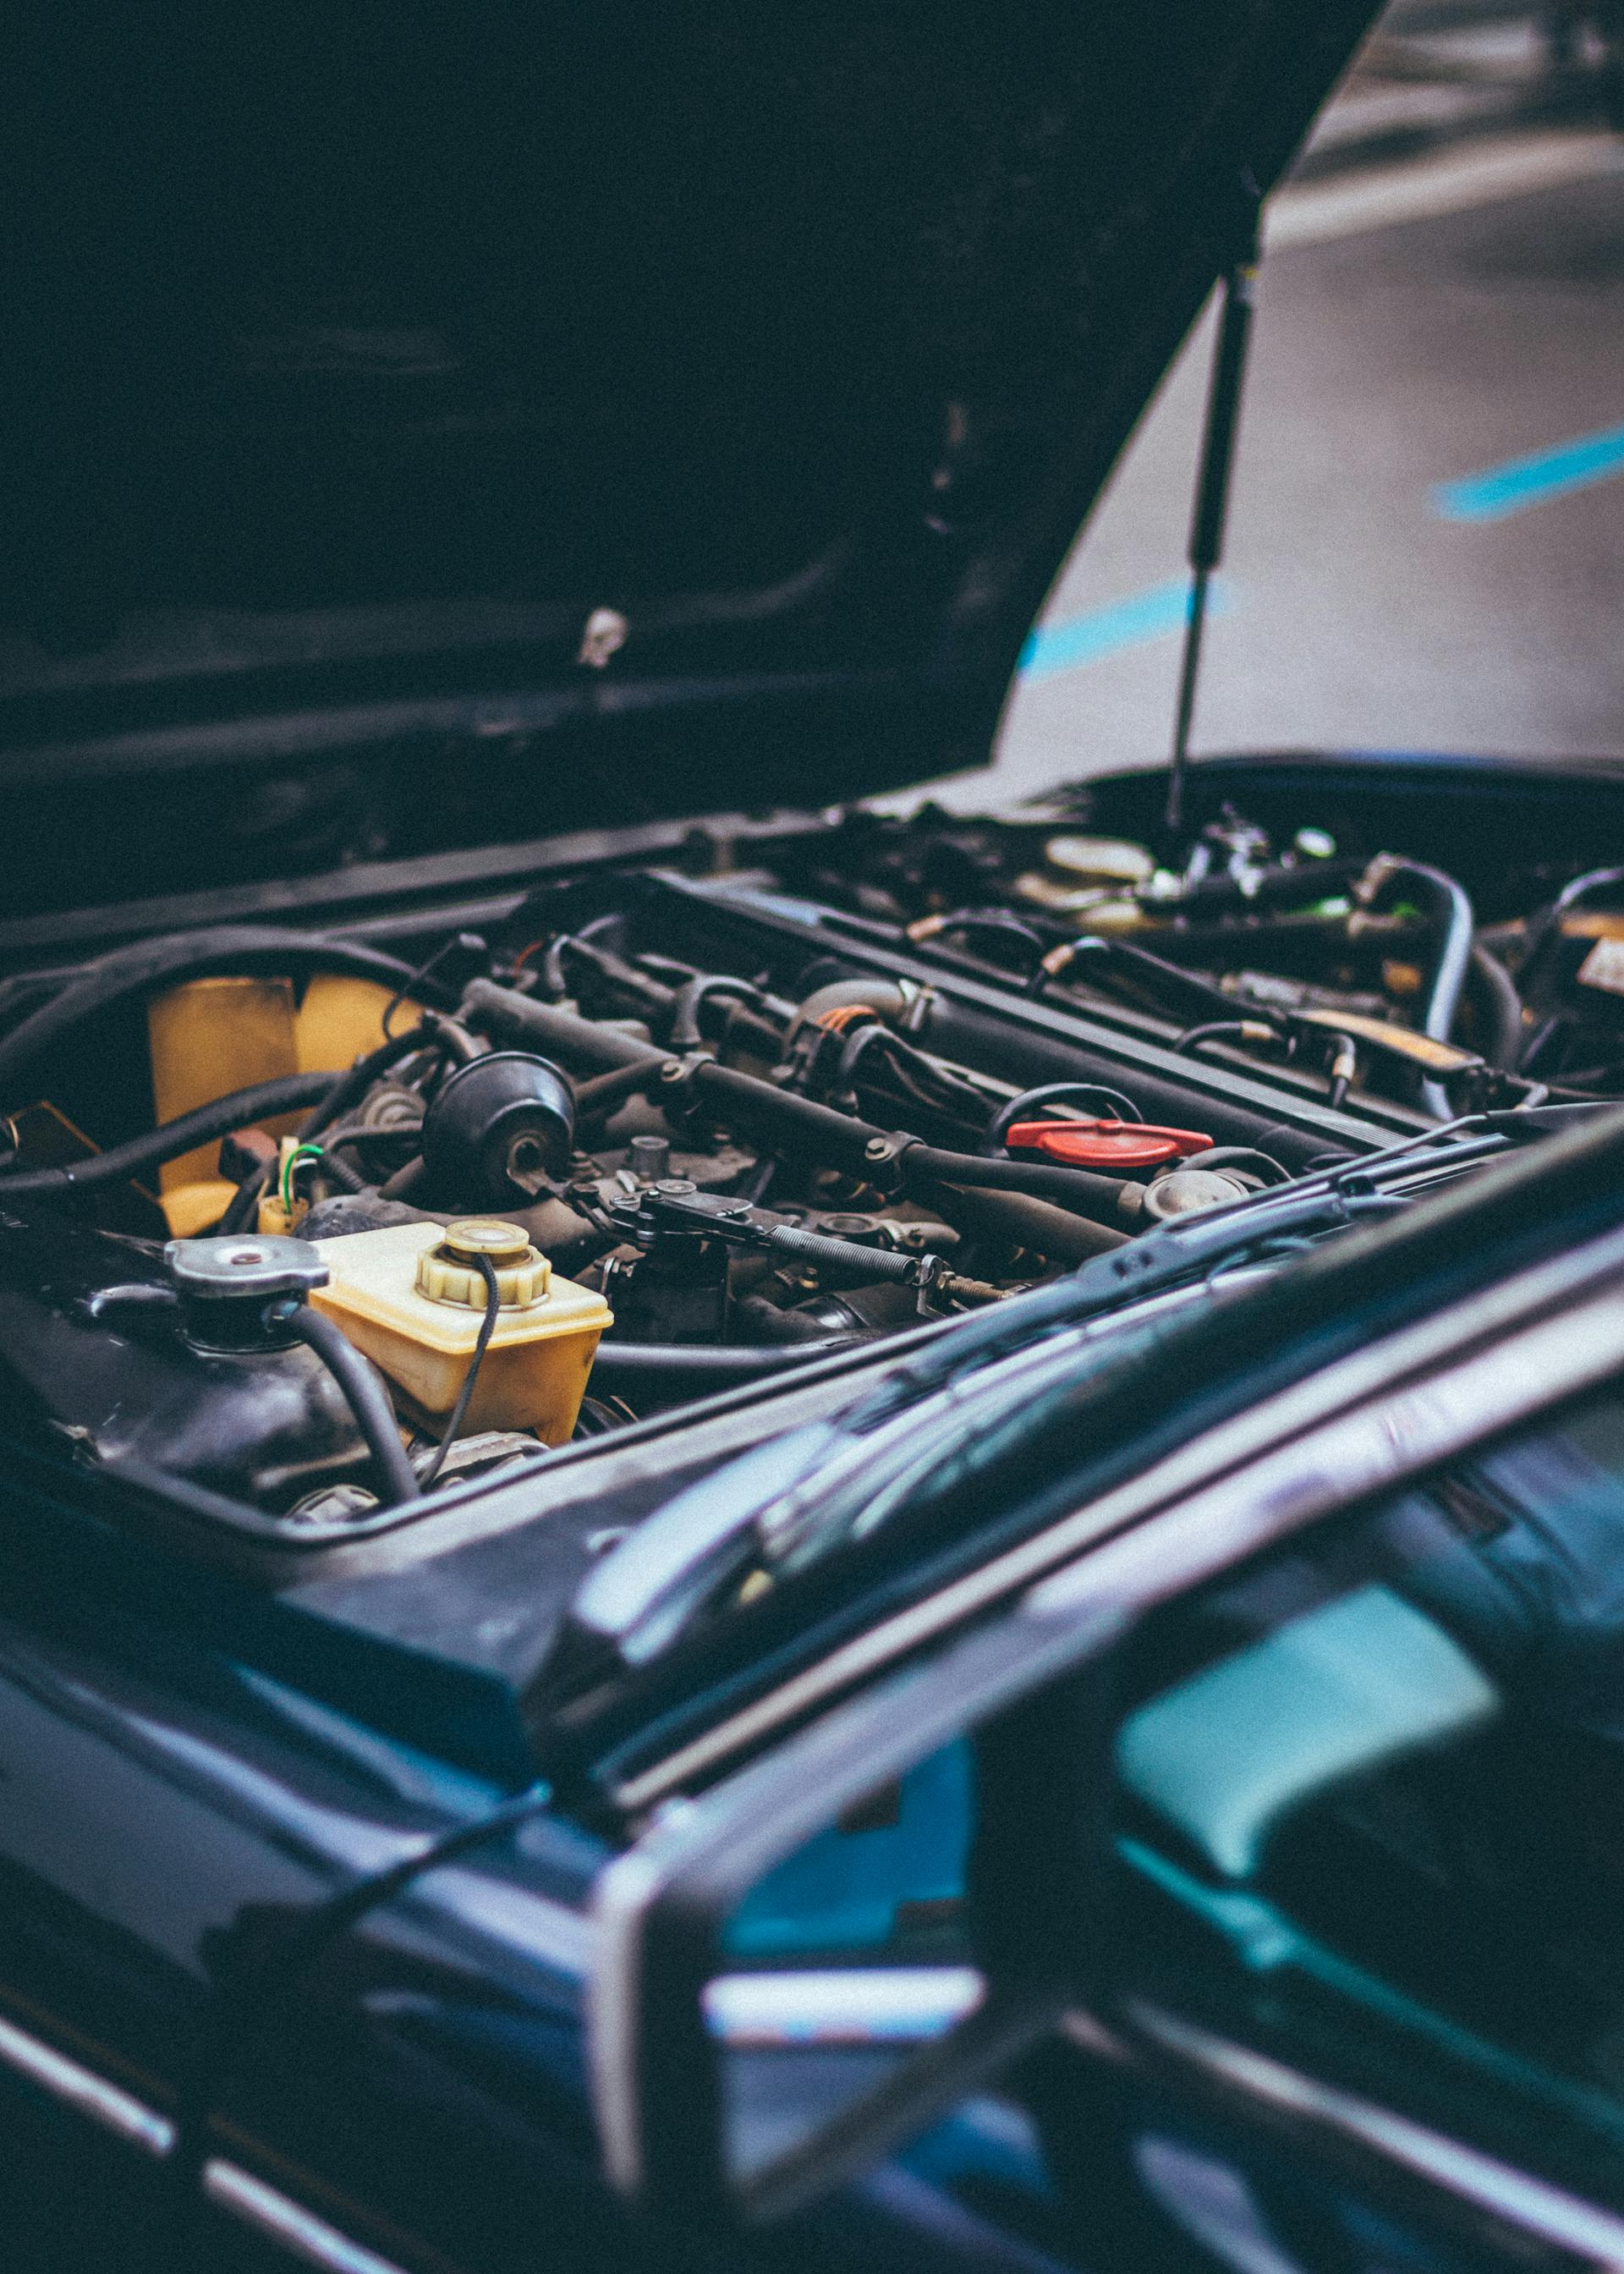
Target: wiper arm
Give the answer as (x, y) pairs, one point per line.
(645, 1592)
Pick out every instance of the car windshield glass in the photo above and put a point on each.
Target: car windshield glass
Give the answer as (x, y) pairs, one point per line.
(1404, 1733)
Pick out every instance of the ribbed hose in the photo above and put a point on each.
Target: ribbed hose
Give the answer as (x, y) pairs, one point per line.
(844, 1257)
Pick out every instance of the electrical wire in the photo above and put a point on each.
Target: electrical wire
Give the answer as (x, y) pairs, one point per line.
(487, 1327)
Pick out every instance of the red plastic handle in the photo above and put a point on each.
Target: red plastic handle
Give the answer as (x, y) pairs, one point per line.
(1106, 1144)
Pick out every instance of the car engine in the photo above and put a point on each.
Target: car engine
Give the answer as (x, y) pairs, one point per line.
(368, 1212)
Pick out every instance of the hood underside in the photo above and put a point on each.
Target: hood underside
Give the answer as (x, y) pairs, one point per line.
(672, 403)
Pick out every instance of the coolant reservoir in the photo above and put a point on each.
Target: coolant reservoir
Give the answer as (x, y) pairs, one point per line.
(412, 1297)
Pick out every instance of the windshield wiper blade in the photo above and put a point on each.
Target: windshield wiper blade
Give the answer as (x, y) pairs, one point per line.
(644, 1594)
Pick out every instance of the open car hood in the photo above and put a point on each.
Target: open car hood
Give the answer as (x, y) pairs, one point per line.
(433, 431)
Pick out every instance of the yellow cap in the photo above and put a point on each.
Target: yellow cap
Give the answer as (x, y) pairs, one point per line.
(449, 1273)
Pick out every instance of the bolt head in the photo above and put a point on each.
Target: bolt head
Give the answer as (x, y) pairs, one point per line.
(877, 1149)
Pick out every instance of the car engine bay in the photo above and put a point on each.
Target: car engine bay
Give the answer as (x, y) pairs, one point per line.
(368, 1212)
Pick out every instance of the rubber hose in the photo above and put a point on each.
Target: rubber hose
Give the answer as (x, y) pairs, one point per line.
(1451, 913)
(794, 1124)
(1090, 1196)
(350, 1088)
(512, 1017)
(1495, 989)
(1239, 1156)
(603, 1092)
(1027, 1223)
(165, 962)
(240, 1109)
(634, 1362)
(883, 997)
(1053, 1093)
(367, 1398)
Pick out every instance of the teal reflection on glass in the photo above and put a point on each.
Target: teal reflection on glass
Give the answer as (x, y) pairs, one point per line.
(890, 1869)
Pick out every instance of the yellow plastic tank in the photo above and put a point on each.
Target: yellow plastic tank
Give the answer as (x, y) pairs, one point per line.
(210, 1035)
(413, 1298)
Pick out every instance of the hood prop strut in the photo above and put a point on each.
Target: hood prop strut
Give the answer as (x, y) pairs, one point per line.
(1212, 497)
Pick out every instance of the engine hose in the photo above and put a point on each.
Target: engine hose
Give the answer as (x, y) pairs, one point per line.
(678, 1009)
(262, 1101)
(350, 1088)
(685, 1031)
(1057, 1093)
(603, 1092)
(883, 997)
(129, 972)
(632, 1363)
(1451, 913)
(1026, 1223)
(1547, 926)
(514, 1018)
(1496, 992)
(1105, 1199)
(1240, 1157)
(367, 1400)
(846, 1259)
(795, 1123)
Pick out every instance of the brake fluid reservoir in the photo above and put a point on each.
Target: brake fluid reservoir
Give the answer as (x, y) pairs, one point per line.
(412, 1297)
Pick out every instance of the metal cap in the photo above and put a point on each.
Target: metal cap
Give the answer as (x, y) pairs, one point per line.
(245, 1264)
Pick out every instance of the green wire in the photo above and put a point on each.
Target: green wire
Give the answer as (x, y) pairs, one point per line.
(299, 1152)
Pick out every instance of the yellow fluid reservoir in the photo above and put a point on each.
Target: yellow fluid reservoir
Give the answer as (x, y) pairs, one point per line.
(210, 1035)
(412, 1297)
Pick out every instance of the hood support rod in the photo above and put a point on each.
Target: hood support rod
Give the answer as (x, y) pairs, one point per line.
(1211, 498)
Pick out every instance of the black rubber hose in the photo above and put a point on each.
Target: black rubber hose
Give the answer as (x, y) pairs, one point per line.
(133, 971)
(350, 1088)
(662, 1362)
(1026, 1223)
(842, 1259)
(1090, 1196)
(406, 1180)
(508, 1016)
(685, 1033)
(1056, 1092)
(367, 1400)
(603, 1092)
(1240, 1157)
(1451, 915)
(1497, 995)
(340, 1172)
(793, 1124)
(239, 1109)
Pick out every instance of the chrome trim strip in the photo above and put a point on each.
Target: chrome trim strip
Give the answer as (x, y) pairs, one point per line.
(80, 2087)
(1535, 2209)
(1279, 1423)
(819, 2006)
(298, 2230)
(1349, 1457)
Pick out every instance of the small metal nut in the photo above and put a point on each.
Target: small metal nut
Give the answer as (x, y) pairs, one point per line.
(879, 1149)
